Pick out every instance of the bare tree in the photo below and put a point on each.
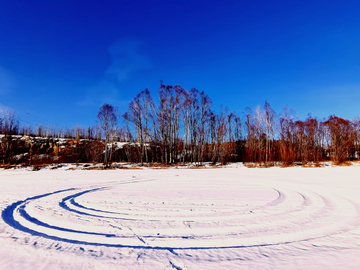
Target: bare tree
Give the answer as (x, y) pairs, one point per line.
(234, 136)
(10, 126)
(203, 123)
(269, 123)
(108, 121)
(138, 114)
(287, 146)
(135, 115)
(342, 136)
(356, 126)
(10, 121)
(25, 130)
(259, 120)
(221, 130)
(165, 121)
(307, 138)
(251, 137)
(191, 118)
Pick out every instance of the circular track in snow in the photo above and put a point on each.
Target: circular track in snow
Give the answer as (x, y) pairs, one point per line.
(180, 215)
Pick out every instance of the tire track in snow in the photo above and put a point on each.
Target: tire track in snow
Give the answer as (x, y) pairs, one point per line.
(292, 216)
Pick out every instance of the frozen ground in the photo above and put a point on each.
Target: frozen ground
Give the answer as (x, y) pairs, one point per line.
(228, 218)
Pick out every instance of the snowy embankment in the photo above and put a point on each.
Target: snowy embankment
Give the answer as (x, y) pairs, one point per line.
(225, 218)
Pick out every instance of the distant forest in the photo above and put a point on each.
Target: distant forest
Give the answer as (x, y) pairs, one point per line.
(180, 126)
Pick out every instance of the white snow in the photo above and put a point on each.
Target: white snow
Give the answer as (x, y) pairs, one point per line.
(218, 218)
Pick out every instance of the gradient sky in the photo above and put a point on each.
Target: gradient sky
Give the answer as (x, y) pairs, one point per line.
(61, 60)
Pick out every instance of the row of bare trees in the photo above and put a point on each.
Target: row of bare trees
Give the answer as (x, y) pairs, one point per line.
(289, 140)
(9, 123)
(180, 126)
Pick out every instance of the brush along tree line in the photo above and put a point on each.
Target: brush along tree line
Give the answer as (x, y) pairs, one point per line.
(179, 127)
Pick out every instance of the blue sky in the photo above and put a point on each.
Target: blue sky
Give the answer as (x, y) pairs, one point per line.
(61, 60)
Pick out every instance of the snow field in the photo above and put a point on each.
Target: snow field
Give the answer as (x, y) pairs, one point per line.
(184, 219)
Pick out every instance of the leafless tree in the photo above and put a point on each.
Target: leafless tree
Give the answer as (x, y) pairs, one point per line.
(287, 146)
(10, 122)
(191, 118)
(341, 135)
(138, 114)
(203, 124)
(355, 123)
(250, 138)
(218, 137)
(308, 140)
(25, 130)
(165, 121)
(270, 128)
(108, 122)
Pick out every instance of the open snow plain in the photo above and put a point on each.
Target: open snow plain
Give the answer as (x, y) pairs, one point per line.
(228, 218)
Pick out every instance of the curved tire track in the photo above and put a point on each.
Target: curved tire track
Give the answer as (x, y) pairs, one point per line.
(292, 216)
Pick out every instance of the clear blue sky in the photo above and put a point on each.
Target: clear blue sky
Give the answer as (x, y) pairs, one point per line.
(61, 60)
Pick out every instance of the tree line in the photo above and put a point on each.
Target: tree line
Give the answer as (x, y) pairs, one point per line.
(180, 126)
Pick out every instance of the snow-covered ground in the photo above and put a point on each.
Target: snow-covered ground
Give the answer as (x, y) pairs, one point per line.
(223, 218)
